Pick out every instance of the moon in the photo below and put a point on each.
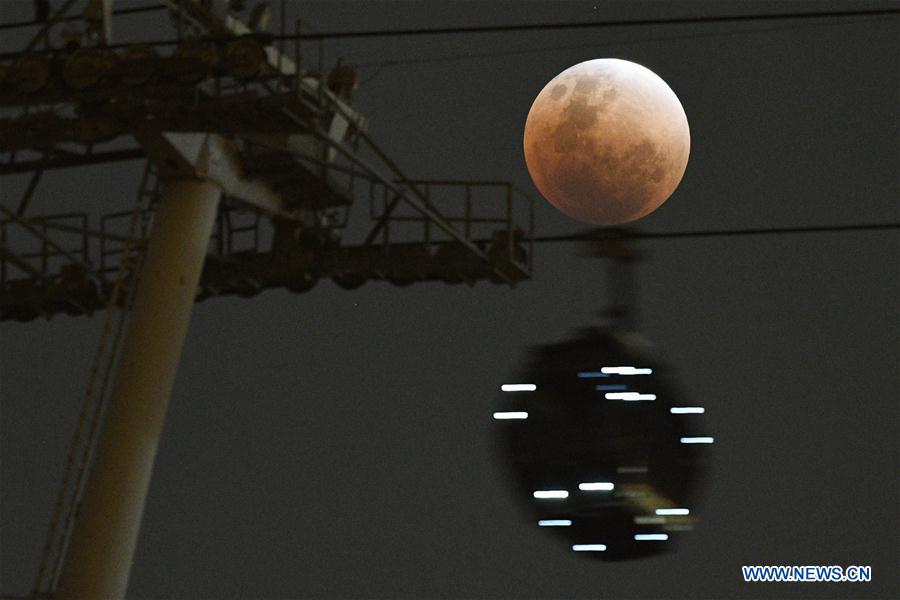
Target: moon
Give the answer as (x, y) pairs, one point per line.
(606, 141)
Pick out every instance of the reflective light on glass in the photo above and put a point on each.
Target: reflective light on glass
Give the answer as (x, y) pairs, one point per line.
(651, 537)
(591, 374)
(649, 520)
(602, 486)
(672, 511)
(589, 547)
(555, 523)
(625, 371)
(610, 388)
(544, 494)
(687, 410)
(500, 416)
(629, 396)
(518, 387)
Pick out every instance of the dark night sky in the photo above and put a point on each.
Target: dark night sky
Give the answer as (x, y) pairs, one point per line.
(337, 444)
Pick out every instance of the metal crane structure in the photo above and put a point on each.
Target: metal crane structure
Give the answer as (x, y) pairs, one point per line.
(253, 164)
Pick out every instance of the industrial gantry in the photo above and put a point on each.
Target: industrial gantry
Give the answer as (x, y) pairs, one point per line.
(253, 163)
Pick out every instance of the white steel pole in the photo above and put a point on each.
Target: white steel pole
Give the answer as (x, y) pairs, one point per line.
(99, 557)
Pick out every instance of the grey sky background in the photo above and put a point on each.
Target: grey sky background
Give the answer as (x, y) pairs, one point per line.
(337, 444)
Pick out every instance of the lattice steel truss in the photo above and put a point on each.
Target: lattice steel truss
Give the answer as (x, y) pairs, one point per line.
(221, 101)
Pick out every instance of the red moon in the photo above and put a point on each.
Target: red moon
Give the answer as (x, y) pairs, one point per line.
(607, 141)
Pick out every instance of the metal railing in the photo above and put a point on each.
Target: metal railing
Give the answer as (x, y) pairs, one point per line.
(48, 256)
(478, 209)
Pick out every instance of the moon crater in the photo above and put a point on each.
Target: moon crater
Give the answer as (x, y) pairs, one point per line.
(606, 141)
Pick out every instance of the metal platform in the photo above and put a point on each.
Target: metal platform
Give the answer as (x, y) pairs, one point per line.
(250, 253)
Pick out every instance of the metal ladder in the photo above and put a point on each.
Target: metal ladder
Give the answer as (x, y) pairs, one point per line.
(82, 445)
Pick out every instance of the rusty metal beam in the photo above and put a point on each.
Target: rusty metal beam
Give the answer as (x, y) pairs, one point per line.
(70, 159)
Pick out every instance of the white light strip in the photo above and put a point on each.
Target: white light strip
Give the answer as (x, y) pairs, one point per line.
(629, 396)
(551, 494)
(603, 486)
(518, 387)
(687, 410)
(589, 547)
(672, 511)
(696, 440)
(500, 416)
(651, 537)
(555, 523)
(625, 371)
